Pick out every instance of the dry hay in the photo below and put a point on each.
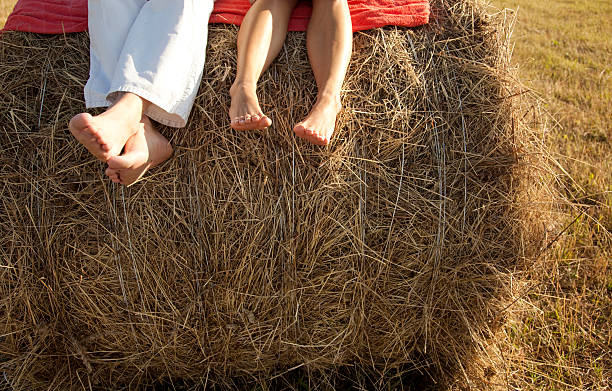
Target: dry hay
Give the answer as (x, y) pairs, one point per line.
(248, 254)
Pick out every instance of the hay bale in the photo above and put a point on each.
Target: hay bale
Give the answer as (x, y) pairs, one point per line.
(248, 254)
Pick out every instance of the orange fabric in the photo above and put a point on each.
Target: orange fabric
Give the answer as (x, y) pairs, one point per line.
(69, 16)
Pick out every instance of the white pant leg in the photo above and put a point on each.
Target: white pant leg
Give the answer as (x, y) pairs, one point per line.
(109, 22)
(162, 57)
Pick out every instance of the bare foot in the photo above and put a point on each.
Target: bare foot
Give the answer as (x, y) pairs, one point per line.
(319, 125)
(245, 113)
(105, 135)
(145, 149)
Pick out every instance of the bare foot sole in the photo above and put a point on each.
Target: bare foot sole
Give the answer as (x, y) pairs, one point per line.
(318, 127)
(245, 112)
(105, 135)
(145, 149)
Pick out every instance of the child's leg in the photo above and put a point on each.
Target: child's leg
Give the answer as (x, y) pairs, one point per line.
(329, 44)
(260, 39)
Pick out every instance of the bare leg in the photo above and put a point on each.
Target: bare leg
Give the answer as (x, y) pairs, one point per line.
(329, 44)
(106, 134)
(145, 149)
(260, 39)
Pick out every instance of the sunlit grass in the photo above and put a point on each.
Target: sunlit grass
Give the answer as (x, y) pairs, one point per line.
(6, 6)
(563, 50)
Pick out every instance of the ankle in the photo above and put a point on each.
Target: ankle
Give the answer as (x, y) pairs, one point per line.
(129, 106)
(330, 99)
(132, 101)
(243, 85)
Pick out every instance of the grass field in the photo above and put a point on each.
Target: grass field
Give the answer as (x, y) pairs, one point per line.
(6, 6)
(563, 51)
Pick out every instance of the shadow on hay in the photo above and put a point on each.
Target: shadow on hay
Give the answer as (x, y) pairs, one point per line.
(343, 379)
(248, 254)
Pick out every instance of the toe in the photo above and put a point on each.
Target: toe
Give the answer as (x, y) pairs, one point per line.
(106, 155)
(94, 132)
(299, 130)
(264, 121)
(236, 123)
(314, 139)
(126, 161)
(79, 122)
(112, 174)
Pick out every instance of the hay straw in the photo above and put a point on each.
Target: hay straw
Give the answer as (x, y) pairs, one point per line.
(248, 255)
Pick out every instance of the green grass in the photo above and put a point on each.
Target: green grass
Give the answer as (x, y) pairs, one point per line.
(563, 50)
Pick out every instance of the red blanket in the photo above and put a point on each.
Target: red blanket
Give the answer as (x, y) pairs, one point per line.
(69, 16)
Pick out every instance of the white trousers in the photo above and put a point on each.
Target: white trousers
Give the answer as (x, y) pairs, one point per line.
(152, 48)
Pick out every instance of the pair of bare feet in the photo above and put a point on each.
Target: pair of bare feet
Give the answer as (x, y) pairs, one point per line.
(126, 140)
(123, 139)
(317, 128)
